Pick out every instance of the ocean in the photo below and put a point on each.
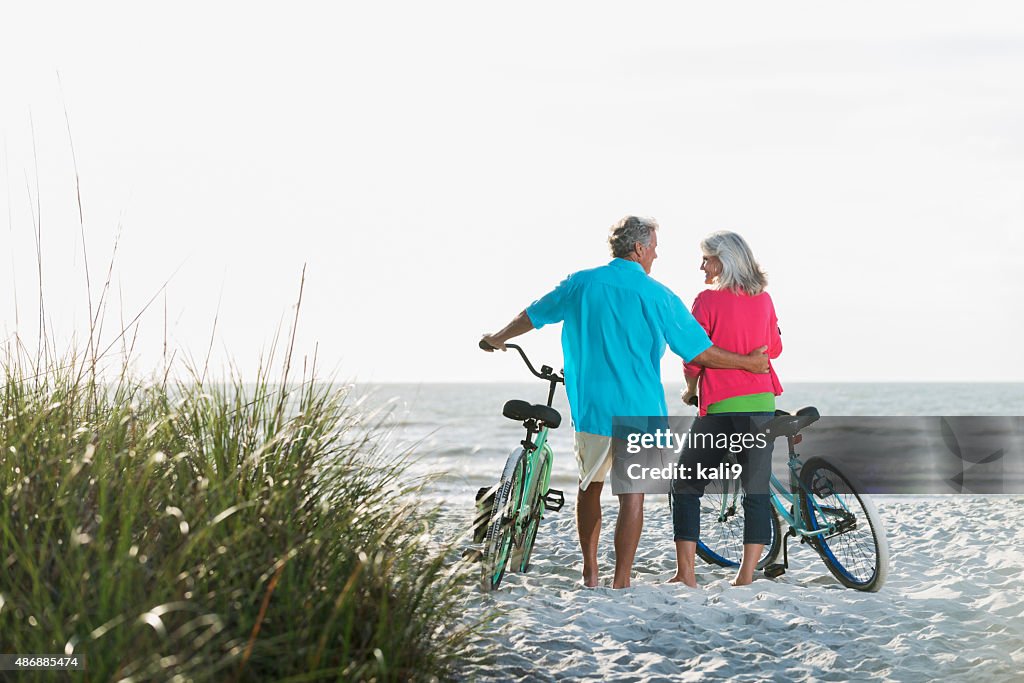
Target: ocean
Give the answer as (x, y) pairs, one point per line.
(459, 437)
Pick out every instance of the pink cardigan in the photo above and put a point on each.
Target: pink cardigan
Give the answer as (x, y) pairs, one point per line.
(738, 323)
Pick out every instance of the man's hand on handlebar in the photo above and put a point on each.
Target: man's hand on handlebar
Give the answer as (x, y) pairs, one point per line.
(520, 324)
(490, 342)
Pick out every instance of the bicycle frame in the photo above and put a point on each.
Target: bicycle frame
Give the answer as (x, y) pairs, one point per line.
(786, 501)
(534, 488)
(794, 502)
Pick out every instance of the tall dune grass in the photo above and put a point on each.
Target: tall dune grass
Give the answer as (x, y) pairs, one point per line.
(213, 532)
(188, 530)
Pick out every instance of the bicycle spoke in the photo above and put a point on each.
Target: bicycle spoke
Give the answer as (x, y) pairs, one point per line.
(853, 545)
(721, 528)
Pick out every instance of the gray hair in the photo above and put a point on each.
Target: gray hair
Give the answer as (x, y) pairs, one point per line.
(739, 269)
(627, 232)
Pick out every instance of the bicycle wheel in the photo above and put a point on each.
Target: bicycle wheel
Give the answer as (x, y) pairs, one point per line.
(855, 548)
(721, 527)
(500, 532)
(521, 553)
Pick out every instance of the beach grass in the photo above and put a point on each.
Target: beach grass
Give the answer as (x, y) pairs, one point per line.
(230, 531)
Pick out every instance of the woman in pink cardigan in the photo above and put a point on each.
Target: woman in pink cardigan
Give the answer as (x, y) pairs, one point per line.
(739, 316)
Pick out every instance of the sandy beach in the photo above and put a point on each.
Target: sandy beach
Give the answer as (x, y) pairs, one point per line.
(953, 608)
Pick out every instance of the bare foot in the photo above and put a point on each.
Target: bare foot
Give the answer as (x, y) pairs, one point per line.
(590, 579)
(745, 573)
(686, 577)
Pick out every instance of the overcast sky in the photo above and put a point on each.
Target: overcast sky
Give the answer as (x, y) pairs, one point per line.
(438, 166)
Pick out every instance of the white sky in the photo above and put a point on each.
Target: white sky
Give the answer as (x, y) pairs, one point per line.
(440, 165)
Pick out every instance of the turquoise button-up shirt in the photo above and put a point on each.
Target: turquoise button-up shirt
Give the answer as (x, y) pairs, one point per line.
(616, 321)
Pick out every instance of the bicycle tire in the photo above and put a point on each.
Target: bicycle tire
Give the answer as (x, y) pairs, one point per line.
(521, 554)
(721, 537)
(520, 560)
(500, 531)
(858, 556)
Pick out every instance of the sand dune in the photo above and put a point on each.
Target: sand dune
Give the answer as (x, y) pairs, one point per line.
(953, 607)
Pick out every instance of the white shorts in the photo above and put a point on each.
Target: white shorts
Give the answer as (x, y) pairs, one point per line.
(593, 456)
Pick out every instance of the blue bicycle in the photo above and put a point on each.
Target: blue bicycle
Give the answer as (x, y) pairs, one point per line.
(820, 506)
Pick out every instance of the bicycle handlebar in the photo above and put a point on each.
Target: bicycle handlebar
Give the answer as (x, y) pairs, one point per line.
(546, 373)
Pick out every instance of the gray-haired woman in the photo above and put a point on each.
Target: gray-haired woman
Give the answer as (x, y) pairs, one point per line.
(739, 316)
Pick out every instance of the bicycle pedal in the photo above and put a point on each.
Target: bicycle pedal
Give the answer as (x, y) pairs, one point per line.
(774, 571)
(553, 500)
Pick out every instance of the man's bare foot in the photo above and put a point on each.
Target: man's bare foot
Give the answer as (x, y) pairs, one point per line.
(590, 579)
(688, 577)
(742, 580)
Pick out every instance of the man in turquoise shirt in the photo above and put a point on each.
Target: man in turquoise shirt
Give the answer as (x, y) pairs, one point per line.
(616, 322)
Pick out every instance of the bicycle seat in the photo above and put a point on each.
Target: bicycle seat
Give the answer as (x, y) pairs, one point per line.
(521, 411)
(789, 424)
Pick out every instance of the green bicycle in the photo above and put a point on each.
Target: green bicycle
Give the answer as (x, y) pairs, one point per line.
(820, 505)
(509, 513)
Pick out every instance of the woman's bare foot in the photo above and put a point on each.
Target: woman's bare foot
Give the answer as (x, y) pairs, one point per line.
(742, 578)
(685, 572)
(590, 579)
(688, 577)
(745, 574)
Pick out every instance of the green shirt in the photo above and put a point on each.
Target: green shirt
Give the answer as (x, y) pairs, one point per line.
(750, 403)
